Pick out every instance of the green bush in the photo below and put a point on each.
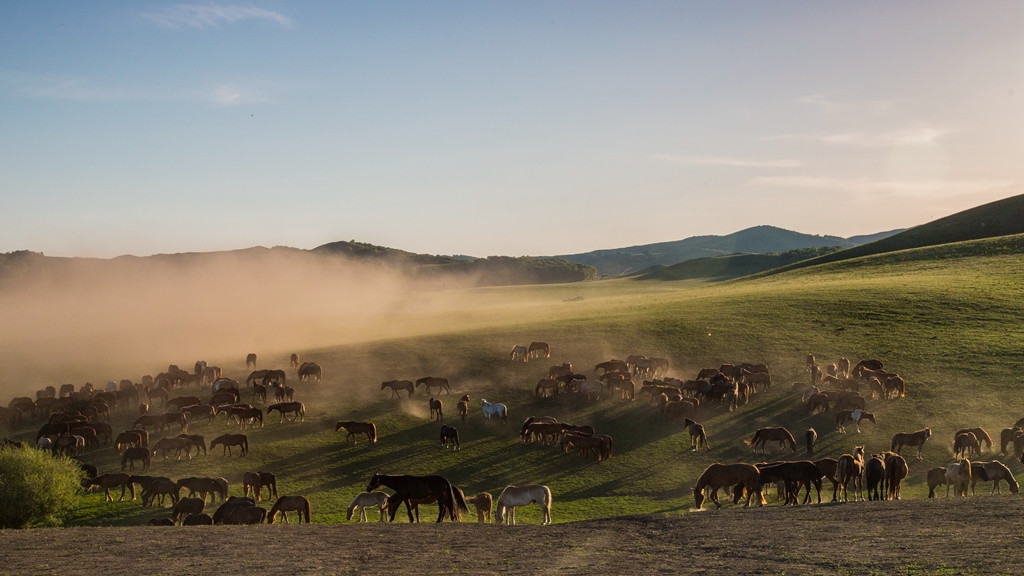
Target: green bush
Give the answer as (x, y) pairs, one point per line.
(37, 489)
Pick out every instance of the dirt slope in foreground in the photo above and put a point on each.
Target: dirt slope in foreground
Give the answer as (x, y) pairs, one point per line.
(980, 535)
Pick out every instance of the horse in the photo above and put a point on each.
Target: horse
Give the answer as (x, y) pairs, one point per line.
(396, 386)
(294, 360)
(810, 361)
(229, 440)
(994, 472)
(204, 411)
(406, 487)
(959, 475)
(204, 486)
(793, 475)
(901, 439)
(296, 408)
(966, 445)
(436, 410)
(133, 454)
(378, 500)
(177, 444)
(310, 371)
(844, 367)
(589, 387)
(269, 481)
(161, 488)
(533, 427)
(609, 366)
(496, 409)
(483, 502)
(874, 474)
(981, 435)
(521, 352)
(867, 365)
(259, 392)
(187, 507)
(896, 469)
(539, 350)
(561, 369)
(856, 416)
(353, 428)
(513, 496)
(772, 434)
(275, 377)
(546, 385)
(758, 379)
(463, 407)
(851, 467)
(250, 362)
(126, 439)
(810, 437)
(298, 504)
(805, 390)
(697, 435)
(450, 434)
(252, 482)
(717, 476)
(160, 522)
(432, 381)
(108, 481)
(247, 417)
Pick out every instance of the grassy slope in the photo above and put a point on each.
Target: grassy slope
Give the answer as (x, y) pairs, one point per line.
(946, 318)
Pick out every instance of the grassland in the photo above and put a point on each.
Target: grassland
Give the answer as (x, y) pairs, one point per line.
(947, 318)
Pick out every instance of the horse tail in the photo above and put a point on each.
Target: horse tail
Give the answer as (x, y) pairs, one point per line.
(547, 498)
(373, 433)
(305, 510)
(447, 502)
(894, 442)
(245, 444)
(504, 413)
(791, 440)
(273, 512)
(460, 501)
(754, 439)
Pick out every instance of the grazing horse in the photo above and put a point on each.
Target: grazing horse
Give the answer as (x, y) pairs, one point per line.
(851, 467)
(863, 365)
(433, 381)
(163, 489)
(378, 500)
(463, 407)
(450, 434)
(1005, 437)
(126, 439)
(483, 502)
(354, 428)
(981, 435)
(818, 401)
(187, 507)
(718, 476)
(562, 369)
(793, 475)
(901, 439)
(528, 431)
(994, 472)
(294, 361)
(810, 437)
(828, 468)
(772, 434)
(936, 477)
(179, 445)
(546, 386)
(966, 445)
(197, 520)
(252, 482)
(521, 352)
(697, 435)
(609, 366)
(856, 416)
(539, 350)
(298, 409)
(513, 496)
(436, 410)
(298, 504)
(959, 475)
(396, 386)
(449, 501)
(896, 469)
(250, 362)
(133, 454)
(269, 481)
(310, 371)
(229, 440)
(498, 410)
(874, 475)
(108, 481)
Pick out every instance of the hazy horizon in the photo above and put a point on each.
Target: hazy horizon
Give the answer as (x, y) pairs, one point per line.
(500, 128)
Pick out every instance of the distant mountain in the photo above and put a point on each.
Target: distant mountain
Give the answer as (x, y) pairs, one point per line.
(756, 240)
(999, 218)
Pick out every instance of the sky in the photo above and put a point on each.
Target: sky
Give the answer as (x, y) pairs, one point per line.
(497, 127)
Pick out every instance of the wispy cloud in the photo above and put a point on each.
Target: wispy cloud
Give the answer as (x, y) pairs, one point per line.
(921, 188)
(212, 15)
(829, 104)
(919, 135)
(729, 161)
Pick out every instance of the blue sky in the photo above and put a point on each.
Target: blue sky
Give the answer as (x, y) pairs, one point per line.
(497, 128)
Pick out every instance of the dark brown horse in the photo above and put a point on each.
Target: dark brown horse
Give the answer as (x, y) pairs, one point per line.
(463, 407)
(398, 385)
(980, 433)
(111, 480)
(450, 434)
(133, 454)
(901, 439)
(772, 434)
(406, 487)
(250, 362)
(432, 382)
(229, 440)
(354, 428)
(436, 409)
(297, 409)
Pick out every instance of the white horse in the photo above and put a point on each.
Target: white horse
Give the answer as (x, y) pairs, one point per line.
(513, 496)
(498, 410)
(378, 500)
(44, 443)
(521, 352)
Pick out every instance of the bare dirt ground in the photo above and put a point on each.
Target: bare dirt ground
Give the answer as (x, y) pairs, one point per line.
(981, 535)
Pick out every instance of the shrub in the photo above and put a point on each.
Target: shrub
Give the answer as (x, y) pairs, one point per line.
(37, 489)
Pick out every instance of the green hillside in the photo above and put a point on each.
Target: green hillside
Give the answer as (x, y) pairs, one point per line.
(732, 266)
(946, 318)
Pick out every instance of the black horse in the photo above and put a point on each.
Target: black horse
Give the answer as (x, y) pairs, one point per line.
(450, 434)
(449, 500)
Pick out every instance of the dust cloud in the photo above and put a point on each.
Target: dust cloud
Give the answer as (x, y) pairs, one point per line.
(77, 320)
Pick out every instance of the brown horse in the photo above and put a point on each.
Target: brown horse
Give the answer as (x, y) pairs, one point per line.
(187, 507)
(1006, 437)
(901, 439)
(874, 475)
(463, 406)
(250, 362)
(483, 502)
(772, 434)
(111, 480)
(179, 445)
(294, 360)
(810, 437)
(450, 435)
(297, 409)
(959, 475)
(818, 402)
(432, 382)
(127, 439)
(936, 477)
(697, 435)
(539, 350)
(133, 454)
(229, 440)
(994, 472)
(163, 489)
(896, 469)
(851, 467)
(310, 371)
(353, 428)
(546, 387)
(251, 482)
(436, 410)
(397, 386)
(966, 445)
(719, 476)
(980, 434)
(285, 504)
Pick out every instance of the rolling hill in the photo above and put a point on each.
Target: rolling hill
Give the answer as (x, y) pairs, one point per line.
(756, 240)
